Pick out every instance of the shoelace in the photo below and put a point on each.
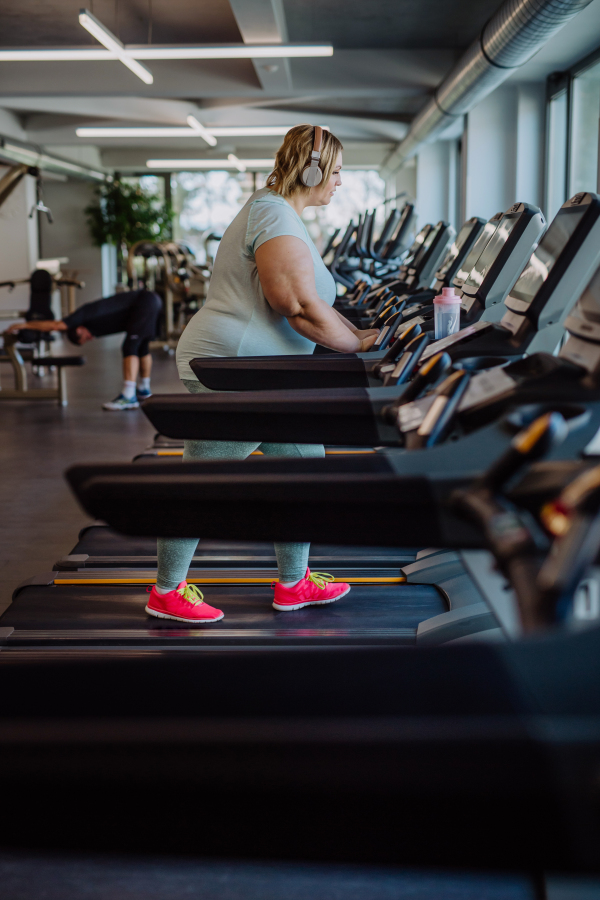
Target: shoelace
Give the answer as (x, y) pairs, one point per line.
(320, 579)
(192, 594)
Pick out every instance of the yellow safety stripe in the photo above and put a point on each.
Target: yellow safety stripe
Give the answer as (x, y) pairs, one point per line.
(259, 452)
(347, 579)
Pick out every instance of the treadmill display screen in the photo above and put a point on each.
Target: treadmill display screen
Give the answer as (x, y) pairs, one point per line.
(426, 245)
(491, 252)
(549, 249)
(455, 249)
(416, 245)
(475, 252)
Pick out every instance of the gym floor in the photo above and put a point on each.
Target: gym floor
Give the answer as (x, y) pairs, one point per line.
(38, 440)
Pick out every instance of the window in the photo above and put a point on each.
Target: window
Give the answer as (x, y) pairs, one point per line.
(573, 129)
(361, 190)
(585, 118)
(204, 203)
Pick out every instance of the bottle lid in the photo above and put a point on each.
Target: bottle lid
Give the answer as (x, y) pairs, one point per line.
(448, 296)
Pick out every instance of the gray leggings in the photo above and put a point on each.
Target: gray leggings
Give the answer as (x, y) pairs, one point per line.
(175, 554)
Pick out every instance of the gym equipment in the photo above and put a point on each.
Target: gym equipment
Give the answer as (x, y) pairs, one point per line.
(169, 269)
(42, 284)
(544, 293)
(512, 247)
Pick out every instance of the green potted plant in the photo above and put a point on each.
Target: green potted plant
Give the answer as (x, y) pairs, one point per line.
(123, 213)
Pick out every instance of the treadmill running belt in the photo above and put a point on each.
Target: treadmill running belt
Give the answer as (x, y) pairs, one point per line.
(114, 615)
(98, 540)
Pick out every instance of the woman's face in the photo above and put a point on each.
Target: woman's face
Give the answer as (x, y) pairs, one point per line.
(322, 194)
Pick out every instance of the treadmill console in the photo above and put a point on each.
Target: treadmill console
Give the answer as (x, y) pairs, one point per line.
(465, 239)
(583, 327)
(559, 266)
(503, 258)
(414, 248)
(464, 334)
(430, 258)
(476, 251)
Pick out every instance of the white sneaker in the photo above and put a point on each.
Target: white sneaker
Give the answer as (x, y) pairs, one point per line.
(121, 402)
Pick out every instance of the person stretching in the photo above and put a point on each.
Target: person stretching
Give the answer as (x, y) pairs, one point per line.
(135, 312)
(270, 294)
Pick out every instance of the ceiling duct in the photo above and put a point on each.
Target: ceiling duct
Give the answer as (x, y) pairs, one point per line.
(511, 37)
(15, 151)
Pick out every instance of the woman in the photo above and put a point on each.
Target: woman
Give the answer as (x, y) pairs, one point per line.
(270, 294)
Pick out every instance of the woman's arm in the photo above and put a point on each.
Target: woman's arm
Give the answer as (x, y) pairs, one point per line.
(287, 276)
(45, 326)
(360, 333)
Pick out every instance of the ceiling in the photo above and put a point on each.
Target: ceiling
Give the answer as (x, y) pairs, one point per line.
(388, 57)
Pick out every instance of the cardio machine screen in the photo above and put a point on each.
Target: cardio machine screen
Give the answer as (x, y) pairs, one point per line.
(490, 254)
(425, 246)
(455, 249)
(416, 245)
(475, 252)
(549, 249)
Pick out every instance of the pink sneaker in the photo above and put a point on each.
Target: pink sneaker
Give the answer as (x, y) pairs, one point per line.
(315, 589)
(185, 604)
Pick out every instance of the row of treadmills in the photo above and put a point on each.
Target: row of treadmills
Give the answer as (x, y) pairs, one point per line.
(446, 712)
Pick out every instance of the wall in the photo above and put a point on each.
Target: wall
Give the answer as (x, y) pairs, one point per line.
(69, 235)
(503, 151)
(437, 181)
(489, 155)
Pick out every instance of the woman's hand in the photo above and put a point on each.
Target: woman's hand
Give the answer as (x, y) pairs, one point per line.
(366, 342)
(366, 333)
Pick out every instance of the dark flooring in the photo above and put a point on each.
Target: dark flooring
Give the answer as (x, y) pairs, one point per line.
(40, 518)
(52, 878)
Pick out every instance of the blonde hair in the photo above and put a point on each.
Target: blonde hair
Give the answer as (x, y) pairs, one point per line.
(294, 156)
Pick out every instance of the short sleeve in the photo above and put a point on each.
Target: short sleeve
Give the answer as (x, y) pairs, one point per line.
(270, 219)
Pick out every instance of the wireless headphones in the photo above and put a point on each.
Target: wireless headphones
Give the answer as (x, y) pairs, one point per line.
(312, 175)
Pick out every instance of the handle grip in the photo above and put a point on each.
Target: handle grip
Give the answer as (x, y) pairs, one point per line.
(530, 444)
(408, 362)
(439, 418)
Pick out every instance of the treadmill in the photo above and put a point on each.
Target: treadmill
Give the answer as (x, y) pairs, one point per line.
(542, 297)
(507, 732)
(354, 370)
(454, 257)
(363, 292)
(457, 254)
(496, 270)
(282, 494)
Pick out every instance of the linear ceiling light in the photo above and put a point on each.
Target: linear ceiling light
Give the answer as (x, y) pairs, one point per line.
(232, 51)
(201, 131)
(132, 52)
(253, 130)
(240, 166)
(112, 43)
(137, 133)
(181, 131)
(211, 163)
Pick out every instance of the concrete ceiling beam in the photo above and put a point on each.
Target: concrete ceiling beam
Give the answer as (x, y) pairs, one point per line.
(263, 21)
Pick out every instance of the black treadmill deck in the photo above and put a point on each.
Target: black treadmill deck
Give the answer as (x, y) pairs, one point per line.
(113, 615)
(100, 541)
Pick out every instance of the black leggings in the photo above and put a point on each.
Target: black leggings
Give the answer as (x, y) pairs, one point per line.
(142, 323)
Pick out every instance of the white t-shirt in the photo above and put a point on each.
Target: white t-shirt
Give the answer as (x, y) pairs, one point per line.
(236, 319)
